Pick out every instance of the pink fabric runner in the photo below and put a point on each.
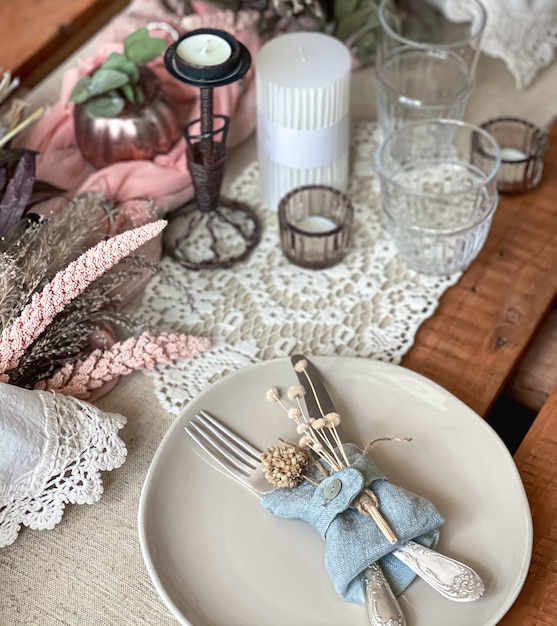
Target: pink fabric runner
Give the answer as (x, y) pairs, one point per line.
(166, 180)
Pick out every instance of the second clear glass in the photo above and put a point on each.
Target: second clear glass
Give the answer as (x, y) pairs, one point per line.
(426, 61)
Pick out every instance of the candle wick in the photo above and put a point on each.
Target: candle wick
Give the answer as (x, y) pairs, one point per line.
(204, 49)
(302, 56)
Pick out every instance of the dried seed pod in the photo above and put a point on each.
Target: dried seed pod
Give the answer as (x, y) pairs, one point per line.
(283, 466)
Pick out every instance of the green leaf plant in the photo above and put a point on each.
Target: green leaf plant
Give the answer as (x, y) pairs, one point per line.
(117, 80)
(356, 21)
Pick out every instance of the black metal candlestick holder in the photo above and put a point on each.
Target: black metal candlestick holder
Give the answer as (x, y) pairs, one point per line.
(211, 231)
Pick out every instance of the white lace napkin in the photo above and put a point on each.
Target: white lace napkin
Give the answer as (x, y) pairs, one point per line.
(52, 449)
(523, 33)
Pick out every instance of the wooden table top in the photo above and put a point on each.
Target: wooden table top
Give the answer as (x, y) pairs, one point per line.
(483, 324)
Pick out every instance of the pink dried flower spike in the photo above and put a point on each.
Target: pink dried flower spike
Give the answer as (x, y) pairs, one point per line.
(142, 352)
(64, 287)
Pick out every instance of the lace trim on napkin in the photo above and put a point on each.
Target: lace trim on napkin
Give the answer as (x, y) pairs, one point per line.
(520, 32)
(85, 442)
(370, 305)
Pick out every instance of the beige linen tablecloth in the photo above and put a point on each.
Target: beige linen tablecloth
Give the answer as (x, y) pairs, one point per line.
(88, 571)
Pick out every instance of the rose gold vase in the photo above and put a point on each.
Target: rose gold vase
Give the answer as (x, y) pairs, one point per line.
(139, 132)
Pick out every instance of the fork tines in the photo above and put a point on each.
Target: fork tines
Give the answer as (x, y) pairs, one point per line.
(222, 444)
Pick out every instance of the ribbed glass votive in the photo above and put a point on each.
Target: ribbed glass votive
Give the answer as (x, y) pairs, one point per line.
(315, 224)
(523, 146)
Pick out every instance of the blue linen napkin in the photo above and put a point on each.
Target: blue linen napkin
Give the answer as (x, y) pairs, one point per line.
(352, 540)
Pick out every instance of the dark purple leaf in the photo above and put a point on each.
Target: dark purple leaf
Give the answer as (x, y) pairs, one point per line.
(18, 191)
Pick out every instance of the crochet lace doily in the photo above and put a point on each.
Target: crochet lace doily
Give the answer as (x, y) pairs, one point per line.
(370, 305)
(75, 442)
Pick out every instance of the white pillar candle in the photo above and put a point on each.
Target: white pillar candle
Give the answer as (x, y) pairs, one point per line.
(316, 224)
(303, 98)
(204, 50)
(512, 154)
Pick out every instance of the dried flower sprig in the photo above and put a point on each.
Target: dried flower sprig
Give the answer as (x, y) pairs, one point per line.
(64, 287)
(31, 258)
(68, 336)
(321, 437)
(8, 84)
(18, 126)
(314, 433)
(12, 110)
(60, 334)
(332, 420)
(81, 378)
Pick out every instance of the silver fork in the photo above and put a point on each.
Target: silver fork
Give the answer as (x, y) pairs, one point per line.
(243, 462)
(231, 452)
(452, 579)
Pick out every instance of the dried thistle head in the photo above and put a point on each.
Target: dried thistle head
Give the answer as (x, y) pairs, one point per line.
(284, 466)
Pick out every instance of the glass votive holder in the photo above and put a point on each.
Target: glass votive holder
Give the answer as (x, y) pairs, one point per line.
(437, 201)
(522, 146)
(315, 225)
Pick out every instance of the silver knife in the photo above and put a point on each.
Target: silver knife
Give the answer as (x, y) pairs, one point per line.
(452, 579)
(382, 606)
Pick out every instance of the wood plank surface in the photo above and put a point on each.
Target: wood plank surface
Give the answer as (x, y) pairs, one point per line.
(536, 460)
(483, 324)
(37, 35)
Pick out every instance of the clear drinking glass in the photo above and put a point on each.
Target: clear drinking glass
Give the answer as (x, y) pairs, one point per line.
(437, 198)
(426, 60)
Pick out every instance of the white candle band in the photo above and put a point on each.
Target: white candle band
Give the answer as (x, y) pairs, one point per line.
(303, 149)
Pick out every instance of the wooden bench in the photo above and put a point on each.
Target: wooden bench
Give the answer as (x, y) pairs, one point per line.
(536, 376)
(535, 459)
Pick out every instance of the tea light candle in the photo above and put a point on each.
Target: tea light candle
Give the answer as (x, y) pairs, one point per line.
(207, 58)
(316, 224)
(303, 89)
(512, 154)
(204, 50)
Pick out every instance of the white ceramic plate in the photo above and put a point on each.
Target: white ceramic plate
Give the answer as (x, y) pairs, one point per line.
(217, 557)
